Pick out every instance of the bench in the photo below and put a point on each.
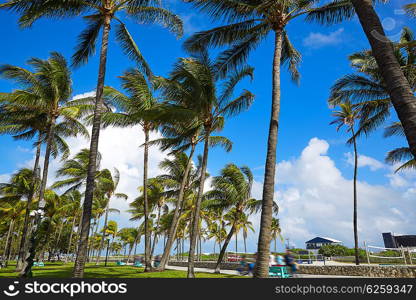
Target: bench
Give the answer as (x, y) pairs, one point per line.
(138, 264)
(38, 264)
(279, 271)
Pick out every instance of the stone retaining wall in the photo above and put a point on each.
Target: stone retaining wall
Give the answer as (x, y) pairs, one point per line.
(362, 270)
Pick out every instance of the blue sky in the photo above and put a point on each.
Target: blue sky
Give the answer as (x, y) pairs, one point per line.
(304, 115)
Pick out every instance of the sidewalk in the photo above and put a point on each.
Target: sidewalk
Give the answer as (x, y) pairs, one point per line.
(232, 272)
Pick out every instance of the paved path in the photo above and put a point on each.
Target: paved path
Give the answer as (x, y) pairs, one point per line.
(232, 272)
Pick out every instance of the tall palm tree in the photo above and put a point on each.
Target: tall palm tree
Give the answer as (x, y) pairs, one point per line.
(196, 81)
(157, 199)
(249, 22)
(99, 16)
(107, 185)
(400, 91)
(231, 191)
(135, 109)
(12, 212)
(181, 175)
(19, 187)
(110, 230)
(347, 116)
(47, 91)
(25, 123)
(74, 210)
(276, 232)
(179, 136)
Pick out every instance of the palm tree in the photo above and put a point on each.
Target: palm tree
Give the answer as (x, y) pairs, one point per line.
(18, 188)
(100, 208)
(179, 137)
(128, 237)
(231, 191)
(21, 186)
(367, 88)
(347, 116)
(46, 91)
(244, 224)
(276, 232)
(135, 109)
(75, 170)
(107, 185)
(249, 23)
(398, 88)
(99, 16)
(182, 131)
(54, 204)
(157, 199)
(13, 212)
(110, 230)
(400, 91)
(196, 80)
(74, 212)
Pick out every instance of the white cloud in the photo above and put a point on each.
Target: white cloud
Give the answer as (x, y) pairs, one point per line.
(4, 177)
(84, 95)
(323, 202)
(364, 161)
(317, 40)
(121, 148)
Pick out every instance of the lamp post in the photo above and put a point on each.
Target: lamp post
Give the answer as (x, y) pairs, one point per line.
(106, 253)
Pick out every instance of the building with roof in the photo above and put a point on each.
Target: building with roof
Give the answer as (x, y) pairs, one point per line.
(315, 244)
(396, 241)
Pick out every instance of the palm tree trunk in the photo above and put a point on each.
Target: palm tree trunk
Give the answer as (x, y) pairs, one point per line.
(7, 246)
(56, 250)
(78, 271)
(175, 220)
(263, 252)
(245, 244)
(79, 231)
(224, 248)
(398, 87)
(275, 246)
(147, 241)
(195, 221)
(135, 245)
(357, 261)
(70, 236)
(97, 262)
(24, 239)
(236, 243)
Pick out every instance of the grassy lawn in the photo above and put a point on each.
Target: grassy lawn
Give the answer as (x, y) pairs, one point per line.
(59, 270)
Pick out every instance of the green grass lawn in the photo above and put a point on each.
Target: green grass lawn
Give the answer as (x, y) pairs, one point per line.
(60, 270)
